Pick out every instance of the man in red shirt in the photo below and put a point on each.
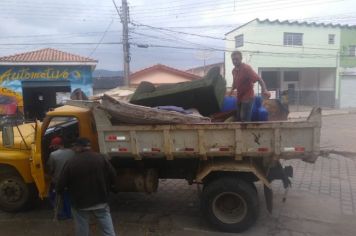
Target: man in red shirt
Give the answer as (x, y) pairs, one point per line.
(243, 79)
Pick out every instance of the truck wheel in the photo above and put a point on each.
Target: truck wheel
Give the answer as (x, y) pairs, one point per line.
(230, 204)
(14, 193)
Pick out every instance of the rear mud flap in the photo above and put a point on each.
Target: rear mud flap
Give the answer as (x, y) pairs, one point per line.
(281, 173)
(268, 197)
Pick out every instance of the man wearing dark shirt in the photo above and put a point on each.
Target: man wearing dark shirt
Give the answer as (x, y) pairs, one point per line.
(243, 79)
(88, 176)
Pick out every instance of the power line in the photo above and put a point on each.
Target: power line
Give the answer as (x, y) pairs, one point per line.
(57, 43)
(217, 38)
(175, 40)
(61, 5)
(205, 4)
(174, 31)
(302, 55)
(70, 8)
(102, 38)
(82, 34)
(276, 4)
(214, 15)
(78, 18)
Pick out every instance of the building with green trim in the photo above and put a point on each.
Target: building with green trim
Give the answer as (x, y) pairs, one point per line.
(309, 60)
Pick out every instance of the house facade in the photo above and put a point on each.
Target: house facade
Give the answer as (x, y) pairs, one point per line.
(161, 74)
(37, 81)
(203, 70)
(298, 57)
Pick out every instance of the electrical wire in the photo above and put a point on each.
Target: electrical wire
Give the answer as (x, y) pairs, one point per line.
(225, 39)
(102, 38)
(242, 9)
(216, 4)
(57, 43)
(301, 55)
(176, 40)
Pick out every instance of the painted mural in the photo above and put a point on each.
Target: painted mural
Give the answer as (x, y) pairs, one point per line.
(80, 77)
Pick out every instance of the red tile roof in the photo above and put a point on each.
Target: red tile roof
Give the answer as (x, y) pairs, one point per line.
(46, 55)
(160, 67)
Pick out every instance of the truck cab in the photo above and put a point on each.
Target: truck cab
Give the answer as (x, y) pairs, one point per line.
(24, 150)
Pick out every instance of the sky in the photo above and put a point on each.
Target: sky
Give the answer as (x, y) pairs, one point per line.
(175, 29)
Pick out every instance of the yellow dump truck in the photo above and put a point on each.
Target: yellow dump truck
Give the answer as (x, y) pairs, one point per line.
(227, 159)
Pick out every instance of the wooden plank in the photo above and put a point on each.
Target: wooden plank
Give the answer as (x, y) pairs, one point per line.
(167, 144)
(202, 151)
(134, 145)
(238, 144)
(277, 142)
(101, 141)
(316, 140)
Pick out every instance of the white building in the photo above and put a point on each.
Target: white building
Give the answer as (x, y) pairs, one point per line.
(300, 57)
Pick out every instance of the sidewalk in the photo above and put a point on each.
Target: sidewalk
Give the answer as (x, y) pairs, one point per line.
(325, 112)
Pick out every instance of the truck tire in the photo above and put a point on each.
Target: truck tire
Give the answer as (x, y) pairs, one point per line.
(230, 204)
(15, 194)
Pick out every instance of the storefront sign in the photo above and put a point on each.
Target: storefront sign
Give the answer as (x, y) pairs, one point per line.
(80, 77)
(48, 73)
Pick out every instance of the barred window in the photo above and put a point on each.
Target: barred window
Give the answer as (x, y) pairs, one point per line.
(239, 41)
(331, 39)
(293, 39)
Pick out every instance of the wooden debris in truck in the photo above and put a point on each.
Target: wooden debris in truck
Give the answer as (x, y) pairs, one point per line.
(122, 112)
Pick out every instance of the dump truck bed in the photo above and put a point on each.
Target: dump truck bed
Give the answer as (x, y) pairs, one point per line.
(299, 139)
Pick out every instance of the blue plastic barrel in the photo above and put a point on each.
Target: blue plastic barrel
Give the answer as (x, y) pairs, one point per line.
(229, 103)
(262, 114)
(259, 113)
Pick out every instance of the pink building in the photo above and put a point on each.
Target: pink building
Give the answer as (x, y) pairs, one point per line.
(161, 74)
(203, 70)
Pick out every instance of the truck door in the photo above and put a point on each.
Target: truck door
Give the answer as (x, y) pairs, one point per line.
(37, 165)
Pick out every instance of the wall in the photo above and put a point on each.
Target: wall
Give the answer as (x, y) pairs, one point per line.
(315, 52)
(309, 79)
(200, 71)
(159, 77)
(348, 37)
(316, 86)
(11, 77)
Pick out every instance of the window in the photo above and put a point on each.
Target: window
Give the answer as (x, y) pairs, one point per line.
(239, 40)
(352, 50)
(291, 76)
(331, 39)
(61, 120)
(293, 39)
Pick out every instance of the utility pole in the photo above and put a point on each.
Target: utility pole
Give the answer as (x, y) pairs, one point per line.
(125, 42)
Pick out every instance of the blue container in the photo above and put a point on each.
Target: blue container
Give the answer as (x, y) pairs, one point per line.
(262, 114)
(229, 104)
(259, 113)
(257, 102)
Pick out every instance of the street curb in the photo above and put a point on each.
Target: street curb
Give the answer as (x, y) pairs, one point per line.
(324, 113)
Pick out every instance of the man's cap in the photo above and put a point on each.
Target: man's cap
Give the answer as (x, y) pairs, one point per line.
(82, 142)
(56, 141)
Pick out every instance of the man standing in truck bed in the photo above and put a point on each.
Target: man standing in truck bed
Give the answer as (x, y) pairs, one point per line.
(243, 79)
(88, 176)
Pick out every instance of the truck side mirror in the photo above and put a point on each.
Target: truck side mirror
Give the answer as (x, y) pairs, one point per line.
(7, 136)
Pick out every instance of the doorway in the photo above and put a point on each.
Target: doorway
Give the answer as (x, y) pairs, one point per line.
(291, 85)
(41, 96)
